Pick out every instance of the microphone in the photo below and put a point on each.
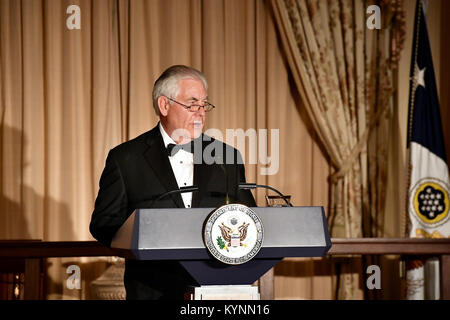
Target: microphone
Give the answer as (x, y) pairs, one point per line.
(227, 193)
(180, 190)
(219, 160)
(249, 186)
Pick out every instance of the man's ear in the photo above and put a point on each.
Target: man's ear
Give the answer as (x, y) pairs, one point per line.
(163, 105)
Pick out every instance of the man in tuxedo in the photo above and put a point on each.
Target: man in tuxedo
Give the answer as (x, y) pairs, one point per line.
(172, 155)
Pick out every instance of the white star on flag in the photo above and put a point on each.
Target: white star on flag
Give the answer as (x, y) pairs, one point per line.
(419, 76)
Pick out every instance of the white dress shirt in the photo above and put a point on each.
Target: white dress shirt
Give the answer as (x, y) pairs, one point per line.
(182, 166)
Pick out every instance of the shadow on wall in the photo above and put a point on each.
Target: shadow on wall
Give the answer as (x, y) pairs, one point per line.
(26, 214)
(13, 224)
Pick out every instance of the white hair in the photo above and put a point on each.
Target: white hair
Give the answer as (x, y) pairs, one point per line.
(167, 83)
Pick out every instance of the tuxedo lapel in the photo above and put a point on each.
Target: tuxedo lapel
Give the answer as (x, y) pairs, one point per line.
(158, 160)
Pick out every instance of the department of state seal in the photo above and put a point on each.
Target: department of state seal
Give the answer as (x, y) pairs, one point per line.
(233, 234)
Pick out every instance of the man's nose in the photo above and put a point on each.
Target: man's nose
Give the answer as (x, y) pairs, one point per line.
(201, 111)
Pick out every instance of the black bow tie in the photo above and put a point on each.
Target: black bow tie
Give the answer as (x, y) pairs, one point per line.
(173, 148)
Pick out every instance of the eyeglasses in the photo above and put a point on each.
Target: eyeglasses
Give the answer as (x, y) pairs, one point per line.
(195, 107)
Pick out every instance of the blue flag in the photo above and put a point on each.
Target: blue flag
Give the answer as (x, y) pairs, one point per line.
(428, 203)
(428, 194)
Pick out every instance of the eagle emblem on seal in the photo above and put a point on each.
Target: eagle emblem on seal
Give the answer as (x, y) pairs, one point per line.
(233, 238)
(233, 233)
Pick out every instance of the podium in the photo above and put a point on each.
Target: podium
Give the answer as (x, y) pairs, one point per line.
(177, 234)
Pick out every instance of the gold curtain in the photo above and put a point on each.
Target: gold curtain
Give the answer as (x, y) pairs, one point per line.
(68, 96)
(344, 72)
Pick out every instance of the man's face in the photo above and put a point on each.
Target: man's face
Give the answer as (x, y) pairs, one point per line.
(181, 124)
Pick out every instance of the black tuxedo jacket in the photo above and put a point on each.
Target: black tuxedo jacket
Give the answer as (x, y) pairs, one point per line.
(135, 174)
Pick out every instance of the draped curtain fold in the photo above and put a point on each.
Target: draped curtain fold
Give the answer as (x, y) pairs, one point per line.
(344, 73)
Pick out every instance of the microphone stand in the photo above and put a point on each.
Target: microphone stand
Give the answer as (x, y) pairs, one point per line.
(241, 186)
(248, 186)
(181, 190)
(227, 195)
